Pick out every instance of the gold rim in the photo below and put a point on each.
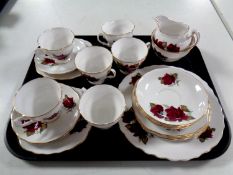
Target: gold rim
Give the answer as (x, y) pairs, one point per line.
(188, 48)
(157, 122)
(76, 116)
(57, 141)
(101, 71)
(55, 29)
(126, 63)
(117, 34)
(104, 124)
(76, 73)
(117, 59)
(178, 137)
(14, 99)
(51, 140)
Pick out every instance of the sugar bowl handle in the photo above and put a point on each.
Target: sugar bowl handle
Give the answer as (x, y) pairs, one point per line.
(111, 74)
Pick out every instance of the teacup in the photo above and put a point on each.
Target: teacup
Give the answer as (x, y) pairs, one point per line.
(38, 100)
(102, 106)
(114, 30)
(129, 53)
(95, 64)
(55, 44)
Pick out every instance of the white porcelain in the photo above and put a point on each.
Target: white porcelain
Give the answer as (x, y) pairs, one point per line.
(56, 43)
(175, 135)
(176, 151)
(67, 143)
(102, 106)
(95, 64)
(167, 56)
(38, 100)
(59, 69)
(186, 91)
(173, 34)
(129, 53)
(66, 76)
(114, 30)
(56, 129)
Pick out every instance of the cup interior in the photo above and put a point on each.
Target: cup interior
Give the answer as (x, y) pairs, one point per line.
(129, 50)
(118, 27)
(37, 97)
(93, 59)
(102, 104)
(55, 38)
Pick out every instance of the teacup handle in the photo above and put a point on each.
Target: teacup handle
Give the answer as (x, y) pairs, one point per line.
(148, 45)
(102, 42)
(27, 122)
(113, 72)
(41, 54)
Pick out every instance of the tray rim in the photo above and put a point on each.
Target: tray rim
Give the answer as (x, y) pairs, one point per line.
(226, 122)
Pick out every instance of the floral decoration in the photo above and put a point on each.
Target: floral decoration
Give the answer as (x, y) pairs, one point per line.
(169, 79)
(170, 113)
(169, 47)
(33, 128)
(128, 68)
(80, 125)
(134, 127)
(208, 133)
(135, 78)
(60, 57)
(48, 61)
(68, 102)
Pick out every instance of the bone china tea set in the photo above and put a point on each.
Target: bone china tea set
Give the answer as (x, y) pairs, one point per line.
(173, 106)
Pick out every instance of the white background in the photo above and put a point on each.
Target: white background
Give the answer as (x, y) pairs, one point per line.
(22, 21)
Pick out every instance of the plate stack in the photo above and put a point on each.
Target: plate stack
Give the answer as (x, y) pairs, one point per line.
(172, 104)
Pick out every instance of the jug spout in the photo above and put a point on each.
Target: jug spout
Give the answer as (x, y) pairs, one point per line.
(171, 27)
(160, 20)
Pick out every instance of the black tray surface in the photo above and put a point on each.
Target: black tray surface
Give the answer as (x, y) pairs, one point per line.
(111, 144)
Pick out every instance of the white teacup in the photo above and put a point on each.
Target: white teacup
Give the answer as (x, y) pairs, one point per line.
(114, 30)
(38, 100)
(129, 53)
(55, 44)
(102, 106)
(95, 64)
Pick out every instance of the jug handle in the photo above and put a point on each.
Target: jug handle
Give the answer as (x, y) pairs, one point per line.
(196, 36)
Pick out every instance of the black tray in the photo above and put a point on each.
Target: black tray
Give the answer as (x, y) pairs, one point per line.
(111, 144)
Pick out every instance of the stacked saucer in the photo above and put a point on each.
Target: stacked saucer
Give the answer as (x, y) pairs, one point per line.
(171, 104)
(55, 56)
(44, 116)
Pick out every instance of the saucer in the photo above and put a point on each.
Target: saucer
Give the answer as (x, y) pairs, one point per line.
(79, 44)
(173, 135)
(176, 151)
(66, 76)
(161, 93)
(47, 132)
(66, 143)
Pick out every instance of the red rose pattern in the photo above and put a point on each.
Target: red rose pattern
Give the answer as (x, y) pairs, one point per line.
(48, 61)
(61, 57)
(68, 102)
(163, 45)
(157, 110)
(135, 78)
(35, 127)
(208, 133)
(169, 79)
(171, 113)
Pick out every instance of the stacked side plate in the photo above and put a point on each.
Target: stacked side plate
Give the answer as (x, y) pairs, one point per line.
(171, 104)
(153, 139)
